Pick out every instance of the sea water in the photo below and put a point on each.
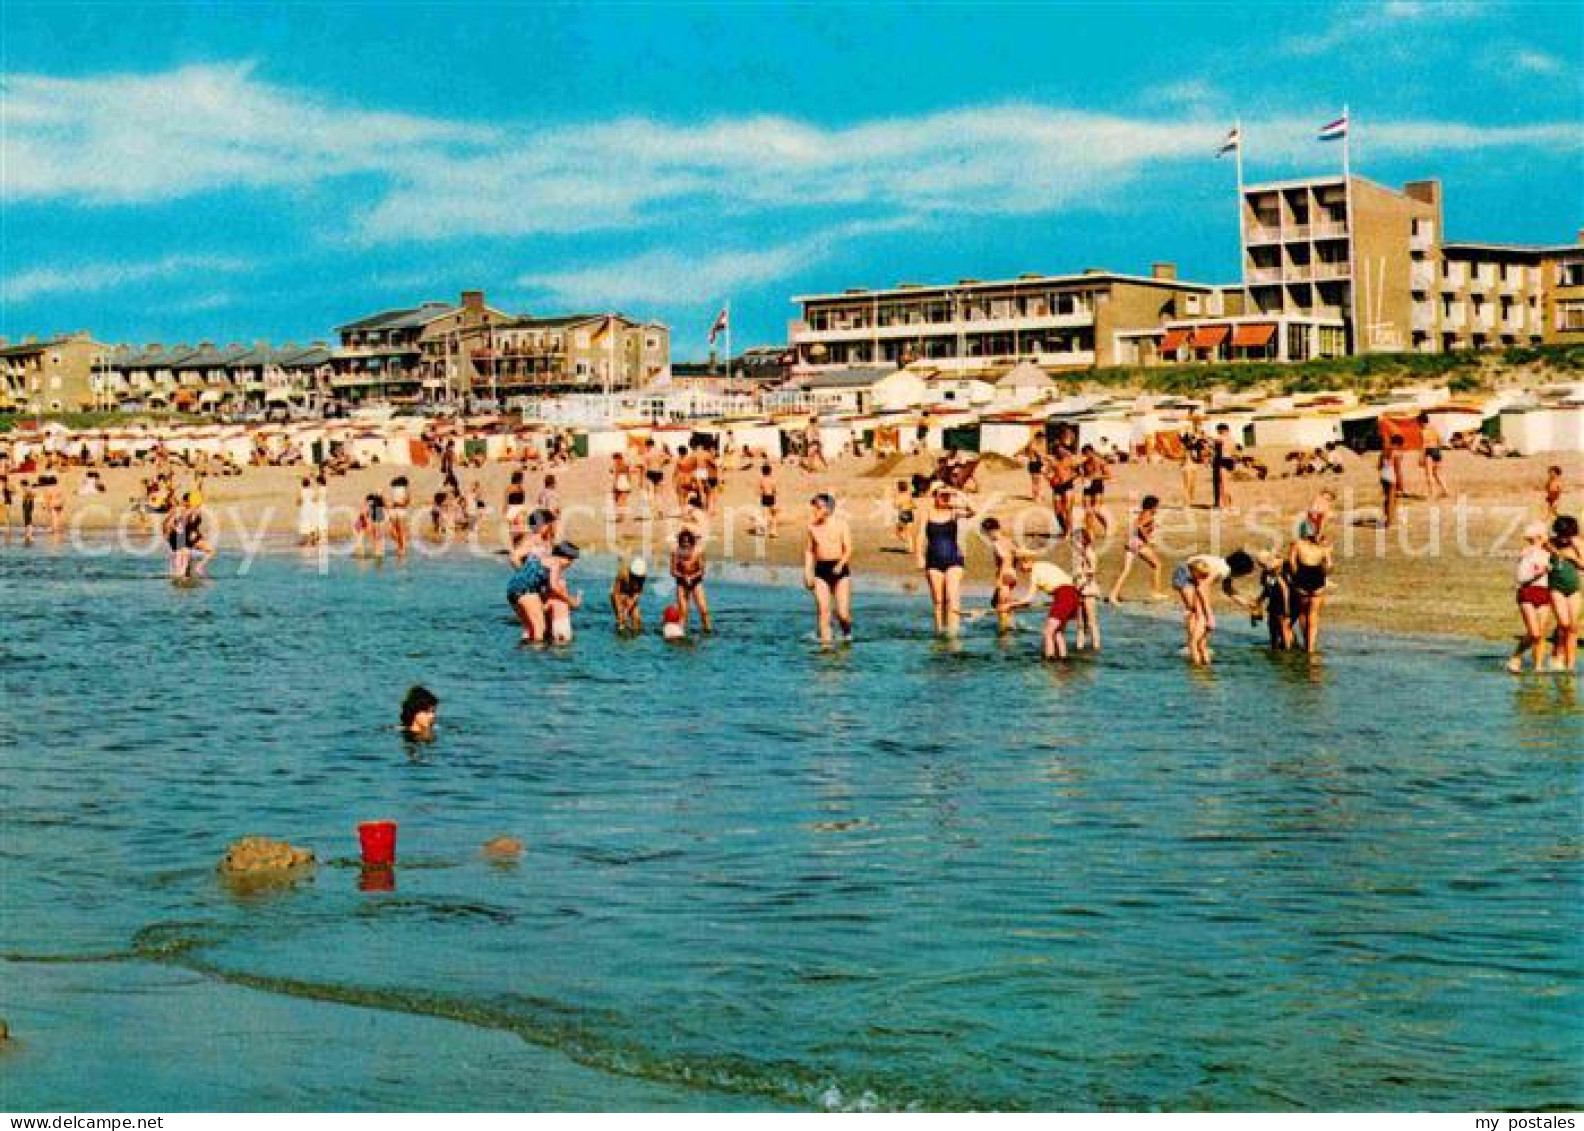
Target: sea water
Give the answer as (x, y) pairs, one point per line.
(902, 874)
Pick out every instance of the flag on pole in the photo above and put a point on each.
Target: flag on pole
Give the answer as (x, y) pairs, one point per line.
(722, 324)
(1335, 131)
(1234, 140)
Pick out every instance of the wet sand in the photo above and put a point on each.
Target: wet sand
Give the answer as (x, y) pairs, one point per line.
(1444, 570)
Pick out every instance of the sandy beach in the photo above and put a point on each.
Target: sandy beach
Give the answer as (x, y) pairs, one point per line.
(1444, 570)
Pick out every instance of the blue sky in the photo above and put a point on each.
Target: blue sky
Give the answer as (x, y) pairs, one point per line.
(236, 171)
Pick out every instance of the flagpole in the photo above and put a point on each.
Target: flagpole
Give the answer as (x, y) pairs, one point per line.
(1242, 229)
(728, 347)
(1347, 190)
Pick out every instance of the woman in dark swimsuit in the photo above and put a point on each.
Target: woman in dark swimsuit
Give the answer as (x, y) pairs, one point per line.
(940, 556)
(1308, 567)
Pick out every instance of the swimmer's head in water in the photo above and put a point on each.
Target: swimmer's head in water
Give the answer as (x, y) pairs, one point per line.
(418, 710)
(990, 525)
(1565, 528)
(540, 519)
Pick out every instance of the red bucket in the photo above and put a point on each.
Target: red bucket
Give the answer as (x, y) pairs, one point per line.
(379, 843)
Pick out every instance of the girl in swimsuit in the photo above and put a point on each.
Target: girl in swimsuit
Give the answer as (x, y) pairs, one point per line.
(687, 570)
(1140, 546)
(940, 556)
(1308, 566)
(1534, 596)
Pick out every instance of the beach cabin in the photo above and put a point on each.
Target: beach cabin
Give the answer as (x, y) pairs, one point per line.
(864, 390)
(1007, 434)
(1529, 429)
(1022, 385)
(1296, 429)
(959, 390)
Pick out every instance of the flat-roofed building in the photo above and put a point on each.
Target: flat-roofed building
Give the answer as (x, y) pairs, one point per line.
(1055, 321)
(53, 375)
(1343, 254)
(1562, 293)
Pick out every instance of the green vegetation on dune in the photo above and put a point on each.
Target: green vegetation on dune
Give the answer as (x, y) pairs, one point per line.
(1463, 372)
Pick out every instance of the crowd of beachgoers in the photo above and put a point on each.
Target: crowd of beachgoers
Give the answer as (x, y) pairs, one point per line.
(932, 515)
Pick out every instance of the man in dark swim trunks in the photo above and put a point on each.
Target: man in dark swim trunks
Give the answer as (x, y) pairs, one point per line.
(827, 572)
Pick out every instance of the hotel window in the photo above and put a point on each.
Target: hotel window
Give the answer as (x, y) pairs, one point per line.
(1570, 273)
(1191, 303)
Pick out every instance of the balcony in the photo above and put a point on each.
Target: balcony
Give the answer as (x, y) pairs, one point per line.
(903, 331)
(1339, 270)
(1423, 318)
(1421, 277)
(1453, 318)
(1484, 319)
(1421, 240)
(1329, 229)
(1265, 275)
(1262, 234)
(1511, 284)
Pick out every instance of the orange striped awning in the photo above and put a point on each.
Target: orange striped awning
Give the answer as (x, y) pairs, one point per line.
(1254, 335)
(1208, 337)
(1173, 341)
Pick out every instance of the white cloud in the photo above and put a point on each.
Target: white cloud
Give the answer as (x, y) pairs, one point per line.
(129, 139)
(1356, 25)
(89, 278)
(1537, 63)
(125, 140)
(666, 278)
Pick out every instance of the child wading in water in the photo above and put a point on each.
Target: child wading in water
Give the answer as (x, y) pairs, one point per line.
(626, 592)
(1193, 580)
(1534, 596)
(1004, 600)
(1047, 579)
(1140, 545)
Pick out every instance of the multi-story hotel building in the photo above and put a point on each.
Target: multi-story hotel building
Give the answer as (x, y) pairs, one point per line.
(53, 375)
(413, 351)
(441, 350)
(574, 353)
(1058, 321)
(1329, 266)
(1334, 266)
(1562, 292)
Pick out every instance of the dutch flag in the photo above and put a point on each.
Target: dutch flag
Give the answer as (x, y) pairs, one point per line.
(1234, 140)
(1335, 131)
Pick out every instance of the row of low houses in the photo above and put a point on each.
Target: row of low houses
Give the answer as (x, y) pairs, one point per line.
(436, 351)
(1329, 266)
